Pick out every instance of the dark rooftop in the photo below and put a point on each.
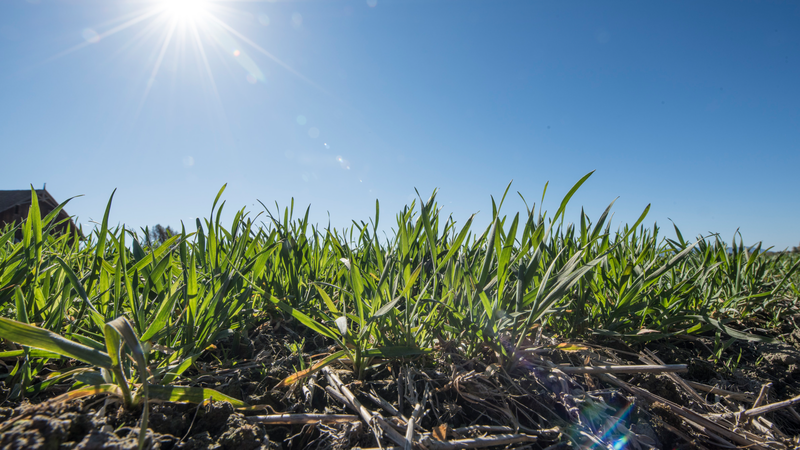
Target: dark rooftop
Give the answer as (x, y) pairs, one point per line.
(10, 199)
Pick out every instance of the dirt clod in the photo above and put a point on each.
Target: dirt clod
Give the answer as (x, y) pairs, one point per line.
(240, 435)
(38, 432)
(105, 440)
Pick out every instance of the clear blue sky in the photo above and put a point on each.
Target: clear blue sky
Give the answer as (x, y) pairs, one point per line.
(691, 106)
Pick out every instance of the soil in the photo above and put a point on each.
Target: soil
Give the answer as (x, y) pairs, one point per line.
(463, 392)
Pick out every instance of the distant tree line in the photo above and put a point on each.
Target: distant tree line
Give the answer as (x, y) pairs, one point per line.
(157, 235)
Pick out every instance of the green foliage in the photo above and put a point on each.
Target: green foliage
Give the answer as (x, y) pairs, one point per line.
(431, 282)
(113, 375)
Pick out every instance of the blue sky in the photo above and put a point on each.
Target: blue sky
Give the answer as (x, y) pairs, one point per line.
(693, 107)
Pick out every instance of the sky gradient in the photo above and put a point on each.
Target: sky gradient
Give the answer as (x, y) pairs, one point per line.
(693, 107)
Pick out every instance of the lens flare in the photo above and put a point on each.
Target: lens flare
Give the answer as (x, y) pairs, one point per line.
(90, 36)
(297, 20)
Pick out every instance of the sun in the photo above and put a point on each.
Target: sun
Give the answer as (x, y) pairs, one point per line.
(180, 25)
(188, 10)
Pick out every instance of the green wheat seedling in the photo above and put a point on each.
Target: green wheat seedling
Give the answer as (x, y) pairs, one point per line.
(109, 373)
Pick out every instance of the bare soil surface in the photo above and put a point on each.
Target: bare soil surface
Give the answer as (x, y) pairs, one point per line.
(535, 399)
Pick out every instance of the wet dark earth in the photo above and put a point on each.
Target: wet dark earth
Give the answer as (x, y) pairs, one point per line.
(534, 399)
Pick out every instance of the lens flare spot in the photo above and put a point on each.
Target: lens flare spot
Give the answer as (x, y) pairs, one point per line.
(251, 79)
(301, 119)
(91, 36)
(343, 163)
(236, 53)
(263, 19)
(327, 147)
(188, 161)
(313, 132)
(297, 20)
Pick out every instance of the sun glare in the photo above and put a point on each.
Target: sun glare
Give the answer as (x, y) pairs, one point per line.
(186, 9)
(181, 25)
